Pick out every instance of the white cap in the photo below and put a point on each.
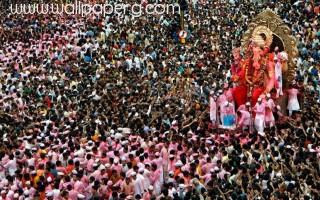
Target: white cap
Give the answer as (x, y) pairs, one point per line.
(150, 187)
(184, 169)
(26, 193)
(208, 142)
(81, 196)
(268, 95)
(179, 163)
(278, 174)
(259, 99)
(60, 174)
(49, 194)
(102, 167)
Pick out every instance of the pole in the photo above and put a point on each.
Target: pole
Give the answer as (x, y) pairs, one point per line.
(182, 19)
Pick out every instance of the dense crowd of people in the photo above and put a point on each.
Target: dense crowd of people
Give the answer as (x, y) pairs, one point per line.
(118, 108)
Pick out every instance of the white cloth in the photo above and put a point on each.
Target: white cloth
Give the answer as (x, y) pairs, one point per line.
(278, 77)
(259, 121)
(213, 110)
(293, 103)
(11, 166)
(139, 185)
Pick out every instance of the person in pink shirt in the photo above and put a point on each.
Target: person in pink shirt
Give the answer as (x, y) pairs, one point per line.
(79, 186)
(244, 122)
(116, 166)
(149, 194)
(159, 162)
(103, 146)
(223, 173)
(146, 158)
(60, 168)
(173, 145)
(84, 178)
(155, 179)
(208, 176)
(228, 93)
(72, 193)
(90, 163)
(104, 186)
(165, 155)
(110, 153)
(207, 166)
(172, 162)
(97, 172)
(65, 181)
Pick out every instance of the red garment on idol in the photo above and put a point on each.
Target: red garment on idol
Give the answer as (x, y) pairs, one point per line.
(240, 95)
(238, 75)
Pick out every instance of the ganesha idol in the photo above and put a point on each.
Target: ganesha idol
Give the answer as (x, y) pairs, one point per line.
(266, 61)
(254, 73)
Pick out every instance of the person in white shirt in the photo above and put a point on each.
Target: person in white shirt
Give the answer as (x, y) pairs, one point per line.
(138, 184)
(11, 165)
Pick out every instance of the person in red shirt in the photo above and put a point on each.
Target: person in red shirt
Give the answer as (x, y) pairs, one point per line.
(69, 167)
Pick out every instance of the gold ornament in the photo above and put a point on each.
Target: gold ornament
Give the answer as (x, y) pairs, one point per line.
(262, 36)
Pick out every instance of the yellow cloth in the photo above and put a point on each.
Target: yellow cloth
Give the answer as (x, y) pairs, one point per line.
(225, 159)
